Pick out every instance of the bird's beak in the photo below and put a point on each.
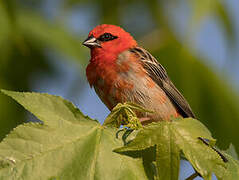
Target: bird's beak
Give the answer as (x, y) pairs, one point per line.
(91, 42)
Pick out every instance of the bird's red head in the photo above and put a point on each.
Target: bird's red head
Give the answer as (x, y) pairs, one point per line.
(109, 39)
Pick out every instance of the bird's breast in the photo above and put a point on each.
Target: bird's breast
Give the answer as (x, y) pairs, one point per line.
(115, 82)
(127, 81)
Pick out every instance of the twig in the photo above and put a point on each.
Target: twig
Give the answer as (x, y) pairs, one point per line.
(217, 151)
(194, 175)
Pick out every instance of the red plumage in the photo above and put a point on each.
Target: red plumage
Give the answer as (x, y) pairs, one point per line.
(120, 71)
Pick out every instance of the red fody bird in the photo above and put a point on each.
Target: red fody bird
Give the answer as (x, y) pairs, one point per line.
(121, 71)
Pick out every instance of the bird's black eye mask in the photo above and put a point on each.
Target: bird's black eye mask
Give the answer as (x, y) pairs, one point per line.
(106, 37)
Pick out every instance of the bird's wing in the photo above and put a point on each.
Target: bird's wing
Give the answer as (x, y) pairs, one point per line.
(157, 72)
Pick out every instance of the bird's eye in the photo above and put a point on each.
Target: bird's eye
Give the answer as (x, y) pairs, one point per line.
(107, 37)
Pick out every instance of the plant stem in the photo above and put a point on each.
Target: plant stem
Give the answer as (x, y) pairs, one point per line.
(194, 175)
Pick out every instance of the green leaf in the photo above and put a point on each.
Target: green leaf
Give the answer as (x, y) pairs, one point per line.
(172, 137)
(67, 145)
(167, 156)
(232, 172)
(232, 151)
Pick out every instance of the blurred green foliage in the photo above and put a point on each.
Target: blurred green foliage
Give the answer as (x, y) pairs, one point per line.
(27, 34)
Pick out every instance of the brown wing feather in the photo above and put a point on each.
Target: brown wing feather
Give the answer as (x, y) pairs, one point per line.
(157, 72)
